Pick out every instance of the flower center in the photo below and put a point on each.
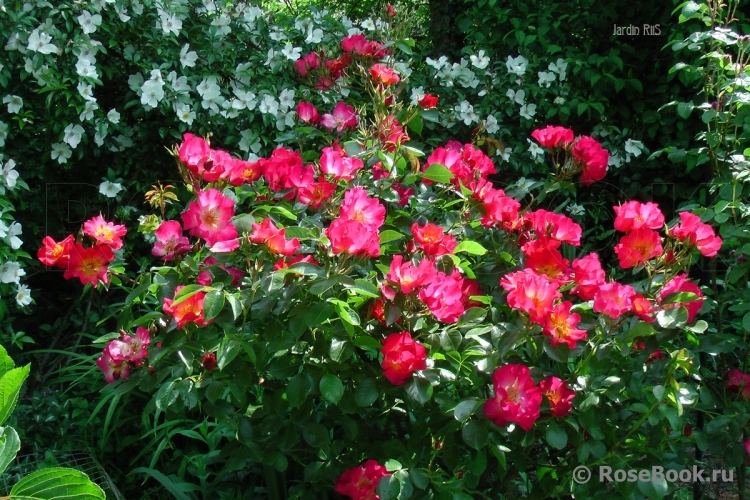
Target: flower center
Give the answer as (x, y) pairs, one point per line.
(106, 233)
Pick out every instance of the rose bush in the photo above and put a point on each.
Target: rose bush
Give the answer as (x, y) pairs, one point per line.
(409, 259)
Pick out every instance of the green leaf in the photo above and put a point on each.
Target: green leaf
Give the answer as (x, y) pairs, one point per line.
(6, 363)
(641, 329)
(556, 436)
(438, 173)
(228, 350)
(415, 124)
(366, 392)
(404, 482)
(331, 388)
(57, 483)
(178, 490)
(475, 434)
(746, 322)
(470, 247)
(672, 318)
(389, 235)
(465, 409)
(654, 490)
(389, 487)
(213, 303)
(298, 389)
(679, 297)
(684, 109)
(10, 387)
(9, 446)
(316, 435)
(392, 465)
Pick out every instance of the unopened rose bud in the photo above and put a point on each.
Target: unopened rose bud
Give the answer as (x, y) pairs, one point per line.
(687, 431)
(437, 444)
(209, 361)
(741, 259)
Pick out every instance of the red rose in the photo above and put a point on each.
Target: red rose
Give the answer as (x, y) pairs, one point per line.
(401, 357)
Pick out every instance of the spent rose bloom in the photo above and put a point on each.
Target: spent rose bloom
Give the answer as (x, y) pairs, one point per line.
(402, 356)
(112, 369)
(361, 482)
(105, 233)
(613, 299)
(635, 215)
(558, 394)
(695, 233)
(517, 400)
(678, 284)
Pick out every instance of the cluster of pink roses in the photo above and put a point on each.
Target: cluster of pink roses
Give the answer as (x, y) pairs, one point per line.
(518, 399)
(88, 264)
(120, 355)
(584, 154)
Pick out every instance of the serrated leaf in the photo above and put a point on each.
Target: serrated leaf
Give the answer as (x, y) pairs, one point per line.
(10, 387)
(465, 409)
(331, 388)
(366, 392)
(298, 389)
(9, 446)
(475, 434)
(672, 318)
(556, 436)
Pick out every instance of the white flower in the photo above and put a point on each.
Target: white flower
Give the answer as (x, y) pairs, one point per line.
(137, 7)
(291, 52)
(11, 272)
(179, 85)
(271, 55)
(187, 59)
(14, 103)
(491, 125)
(519, 97)
(480, 60)
(85, 69)
(523, 184)
(110, 189)
(466, 113)
(153, 92)
(40, 42)
(250, 141)
(3, 133)
(88, 111)
(559, 100)
(61, 152)
(277, 36)
(14, 43)
(314, 35)
(121, 143)
(354, 31)
(416, 95)
(185, 114)
(208, 88)
(244, 100)
(212, 103)
(576, 209)
(122, 13)
(171, 24)
(368, 24)
(113, 116)
(528, 111)
(535, 150)
(559, 67)
(438, 65)
(285, 120)
(402, 69)
(546, 78)
(88, 22)
(86, 91)
(286, 100)
(633, 147)
(222, 25)
(156, 76)
(615, 160)
(23, 295)
(269, 105)
(13, 231)
(517, 65)
(9, 174)
(73, 135)
(505, 155)
(3, 227)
